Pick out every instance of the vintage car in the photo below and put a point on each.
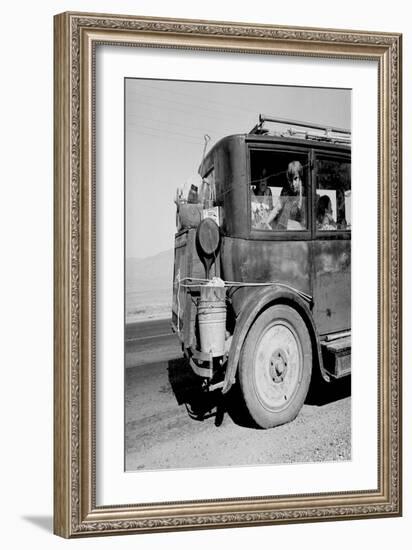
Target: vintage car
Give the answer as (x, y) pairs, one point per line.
(262, 272)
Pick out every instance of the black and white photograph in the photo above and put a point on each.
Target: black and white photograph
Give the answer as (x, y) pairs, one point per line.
(203, 331)
(237, 329)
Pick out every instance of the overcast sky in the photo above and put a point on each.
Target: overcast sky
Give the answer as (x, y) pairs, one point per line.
(165, 124)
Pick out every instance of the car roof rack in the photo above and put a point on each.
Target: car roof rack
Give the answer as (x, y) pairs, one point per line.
(303, 130)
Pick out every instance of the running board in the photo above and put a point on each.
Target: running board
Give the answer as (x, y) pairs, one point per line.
(337, 356)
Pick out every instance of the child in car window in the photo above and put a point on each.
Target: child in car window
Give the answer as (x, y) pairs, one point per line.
(324, 214)
(261, 201)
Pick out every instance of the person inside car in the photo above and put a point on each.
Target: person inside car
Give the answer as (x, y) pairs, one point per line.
(288, 213)
(261, 201)
(324, 214)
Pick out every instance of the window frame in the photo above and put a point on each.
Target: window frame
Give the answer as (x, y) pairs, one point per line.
(322, 234)
(288, 235)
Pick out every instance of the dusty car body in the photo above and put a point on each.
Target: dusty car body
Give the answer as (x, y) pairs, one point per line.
(287, 286)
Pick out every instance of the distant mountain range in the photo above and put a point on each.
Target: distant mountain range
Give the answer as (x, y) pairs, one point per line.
(150, 274)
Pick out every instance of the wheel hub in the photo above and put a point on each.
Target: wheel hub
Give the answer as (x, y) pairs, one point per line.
(278, 366)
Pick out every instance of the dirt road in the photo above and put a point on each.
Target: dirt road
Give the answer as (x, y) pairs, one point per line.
(170, 423)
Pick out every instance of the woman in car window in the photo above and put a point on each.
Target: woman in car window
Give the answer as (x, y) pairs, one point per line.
(288, 213)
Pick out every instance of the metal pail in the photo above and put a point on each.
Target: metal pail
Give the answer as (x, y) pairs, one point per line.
(212, 326)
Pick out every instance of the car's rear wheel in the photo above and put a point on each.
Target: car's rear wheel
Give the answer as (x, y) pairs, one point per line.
(275, 366)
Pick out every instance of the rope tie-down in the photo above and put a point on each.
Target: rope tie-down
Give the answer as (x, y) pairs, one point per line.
(217, 282)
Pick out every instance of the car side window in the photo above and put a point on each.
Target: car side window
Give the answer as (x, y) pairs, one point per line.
(278, 190)
(333, 210)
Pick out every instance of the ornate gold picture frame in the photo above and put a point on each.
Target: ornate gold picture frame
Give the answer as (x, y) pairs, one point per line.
(76, 37)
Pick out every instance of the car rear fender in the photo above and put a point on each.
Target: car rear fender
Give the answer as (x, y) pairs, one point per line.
(252, 308)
